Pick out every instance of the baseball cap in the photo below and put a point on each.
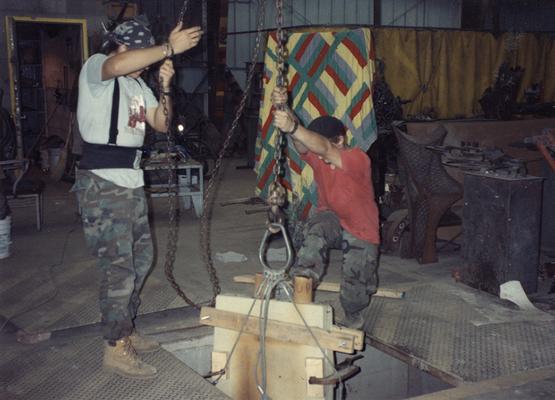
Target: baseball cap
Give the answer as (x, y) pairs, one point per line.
(327, 126)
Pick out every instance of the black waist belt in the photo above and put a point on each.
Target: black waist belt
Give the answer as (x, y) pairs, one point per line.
(100, 156)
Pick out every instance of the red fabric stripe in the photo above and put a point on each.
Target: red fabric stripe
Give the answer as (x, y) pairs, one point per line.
(295, 167)
(356, 109)
(304, 46)
(269, 170)
(266, 78)
(286, 184)
(316, 103)
(306, 210)
(319, 59)
(339, 83)
(355, 51)
(267, 123)
(294, 81)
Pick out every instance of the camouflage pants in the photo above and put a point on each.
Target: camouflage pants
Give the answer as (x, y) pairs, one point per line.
(360, 260)
(115, 221)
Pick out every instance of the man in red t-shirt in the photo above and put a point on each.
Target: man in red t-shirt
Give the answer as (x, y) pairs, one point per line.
(347, 214)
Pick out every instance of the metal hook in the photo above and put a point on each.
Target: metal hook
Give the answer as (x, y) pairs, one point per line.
(275, 227)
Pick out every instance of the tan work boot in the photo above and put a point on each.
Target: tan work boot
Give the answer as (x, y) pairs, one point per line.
(123, 360)
(143, 344)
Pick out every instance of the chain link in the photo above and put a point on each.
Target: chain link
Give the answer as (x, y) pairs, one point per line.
(184, 8)
(173, 224)
(277, 195)
(209, 198)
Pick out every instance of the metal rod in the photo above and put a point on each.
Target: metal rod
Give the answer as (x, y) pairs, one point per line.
(354, 26)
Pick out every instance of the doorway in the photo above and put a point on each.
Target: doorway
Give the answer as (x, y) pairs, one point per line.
(46, 55)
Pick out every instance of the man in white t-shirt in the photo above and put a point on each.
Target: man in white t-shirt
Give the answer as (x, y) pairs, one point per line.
(114, 106)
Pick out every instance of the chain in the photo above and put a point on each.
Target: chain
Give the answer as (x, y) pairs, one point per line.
(281, 36)
(173, 224)
(277, 194)
(208, 198)
(184, 8)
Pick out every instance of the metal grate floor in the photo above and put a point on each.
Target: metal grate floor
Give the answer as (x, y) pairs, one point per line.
(70, 368)
(462, 334)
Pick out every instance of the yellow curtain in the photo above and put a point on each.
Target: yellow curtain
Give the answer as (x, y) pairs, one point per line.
(448, 71)
(548, 50)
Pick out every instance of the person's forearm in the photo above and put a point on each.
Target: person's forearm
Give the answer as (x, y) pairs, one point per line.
(311, 141)
(132, 60)
(160, 117)
(301, 148)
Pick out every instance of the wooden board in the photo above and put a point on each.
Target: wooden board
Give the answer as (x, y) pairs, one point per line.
(286, 362)
(330, 287)
(335, 340)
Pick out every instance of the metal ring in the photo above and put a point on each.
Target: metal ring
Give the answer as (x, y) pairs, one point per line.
(288, 248)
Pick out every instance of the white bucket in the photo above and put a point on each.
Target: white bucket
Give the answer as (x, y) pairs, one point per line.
(54, 154)
(5, 227)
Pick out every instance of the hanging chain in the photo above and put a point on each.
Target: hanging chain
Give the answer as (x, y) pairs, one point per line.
(281, 36)
(184, 8)
(208, 198)
(173, 224)
(208, 194)
(277, 195)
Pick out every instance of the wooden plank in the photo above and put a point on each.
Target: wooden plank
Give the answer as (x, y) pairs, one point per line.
(357, 335)
(219, 359)
(303, 292)
(331, 287)
(282, 331)
(314, 367)
(286, 362)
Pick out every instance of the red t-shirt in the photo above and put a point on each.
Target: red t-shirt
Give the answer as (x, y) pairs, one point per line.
(348, 192)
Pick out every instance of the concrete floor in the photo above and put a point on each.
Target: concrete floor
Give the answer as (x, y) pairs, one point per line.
(49, 284)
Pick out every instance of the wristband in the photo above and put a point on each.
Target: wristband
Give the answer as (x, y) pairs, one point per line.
(292, 130)
(168, 50)
(166, 93)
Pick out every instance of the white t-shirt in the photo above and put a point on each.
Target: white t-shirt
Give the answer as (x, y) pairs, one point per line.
(94, 110)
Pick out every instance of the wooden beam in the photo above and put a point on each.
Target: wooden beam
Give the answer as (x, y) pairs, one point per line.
(330, 287)
(314, 367)
(303, 290)
(282, 331)
(357, 335)
(219, 360)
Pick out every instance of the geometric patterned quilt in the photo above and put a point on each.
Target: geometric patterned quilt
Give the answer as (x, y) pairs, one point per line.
(329, 73)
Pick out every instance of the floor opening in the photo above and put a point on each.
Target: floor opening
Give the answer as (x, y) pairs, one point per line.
(382, 376)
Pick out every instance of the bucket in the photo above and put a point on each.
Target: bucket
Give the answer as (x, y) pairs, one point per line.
(5, 227)
(54, 154)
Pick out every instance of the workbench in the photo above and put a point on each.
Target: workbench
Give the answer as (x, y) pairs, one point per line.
(190, 182)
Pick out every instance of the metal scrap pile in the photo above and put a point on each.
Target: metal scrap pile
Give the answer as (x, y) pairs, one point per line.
(487, 160)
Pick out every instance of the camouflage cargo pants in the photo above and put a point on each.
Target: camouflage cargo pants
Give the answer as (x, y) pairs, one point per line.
(115, 221)
(360, 267)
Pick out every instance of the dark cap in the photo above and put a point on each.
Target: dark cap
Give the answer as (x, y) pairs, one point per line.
(133, 34)
(327, 126)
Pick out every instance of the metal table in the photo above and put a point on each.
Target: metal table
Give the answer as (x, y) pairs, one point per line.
(190, 182)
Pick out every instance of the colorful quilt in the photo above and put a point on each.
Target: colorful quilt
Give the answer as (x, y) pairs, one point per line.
(329, 73)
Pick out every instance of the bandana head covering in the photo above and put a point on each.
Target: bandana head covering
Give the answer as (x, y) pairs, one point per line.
(133, 34)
